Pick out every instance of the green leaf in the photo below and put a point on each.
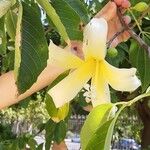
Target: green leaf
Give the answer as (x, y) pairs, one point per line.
(32, 143)
(56, 114)
(31, 48)
(60, 132)
(141, 6)
(2, 37)
(134, 2)
(54, 17)
(50, 106)
(40, 147)
(49, 128)
(14, 145)
(8, 61)
(11, 21)
(69, 18)
(139, 58)
(101, 139)
(58, 79)
(80, 9)
(4, 7)
(21, 142)
(96, 118)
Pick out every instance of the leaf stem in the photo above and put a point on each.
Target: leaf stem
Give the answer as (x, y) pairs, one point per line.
(137, 23)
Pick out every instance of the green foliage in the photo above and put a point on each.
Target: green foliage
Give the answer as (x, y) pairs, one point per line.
(140, 59)
(135, 2)
(5, 132)
(80, 9)
(2, 37)
(49, 128)
(141, 6)
(54, 17)
(54, 36)
(93, 121)
(101, 133)
(4, 7)
(58, 79)
(129, 121)
(11, 21)
(70, 20)
(60, 132)
(56, 114)
(31, 48)
(101, 139)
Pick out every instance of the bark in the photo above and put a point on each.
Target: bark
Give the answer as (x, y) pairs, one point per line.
(144, 113)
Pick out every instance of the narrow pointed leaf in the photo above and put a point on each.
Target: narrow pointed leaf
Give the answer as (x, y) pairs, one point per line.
(31, 48)
(11, 21)
(54, 17)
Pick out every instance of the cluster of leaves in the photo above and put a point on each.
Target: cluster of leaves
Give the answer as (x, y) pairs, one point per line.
(24, 38)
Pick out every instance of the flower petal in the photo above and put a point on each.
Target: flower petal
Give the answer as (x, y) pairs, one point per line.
(121, 79)
(63, 58)
(69, 87)
(100, 88)
(95, 36)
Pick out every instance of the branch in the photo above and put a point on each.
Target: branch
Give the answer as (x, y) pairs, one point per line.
(114, 37)
(132, 33)
(133, 25)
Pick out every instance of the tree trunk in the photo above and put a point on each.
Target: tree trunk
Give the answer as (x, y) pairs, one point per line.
(144, 113)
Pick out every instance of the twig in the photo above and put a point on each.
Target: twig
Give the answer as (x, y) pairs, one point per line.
(136, 21)
(132, 33)
(119, 33)
(114, 37)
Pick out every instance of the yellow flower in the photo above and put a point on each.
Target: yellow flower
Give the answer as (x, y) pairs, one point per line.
(93, 66)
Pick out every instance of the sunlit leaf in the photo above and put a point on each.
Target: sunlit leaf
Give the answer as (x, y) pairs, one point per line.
(96, 118)
(101, 139)
(11, 21)
(54, 17)
(4, 7)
